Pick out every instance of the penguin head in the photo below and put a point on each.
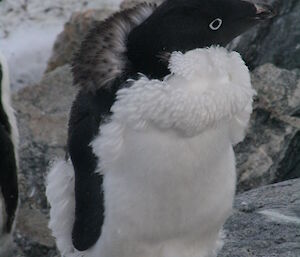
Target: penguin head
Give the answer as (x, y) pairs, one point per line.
(182, 25)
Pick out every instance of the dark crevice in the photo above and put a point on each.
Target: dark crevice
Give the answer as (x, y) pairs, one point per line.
(296, 113)
(289, 167)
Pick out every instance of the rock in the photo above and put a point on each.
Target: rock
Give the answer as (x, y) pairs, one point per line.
(265, 223)
(42, 113)
(34, 224)
(32, 236)
(270, 151)
(275, 41)
(131, 3)
(68, 41)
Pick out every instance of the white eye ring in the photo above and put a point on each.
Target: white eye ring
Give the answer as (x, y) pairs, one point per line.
(216, 24)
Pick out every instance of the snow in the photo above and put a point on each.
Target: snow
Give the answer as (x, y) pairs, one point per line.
(28, 29)
(28, 48)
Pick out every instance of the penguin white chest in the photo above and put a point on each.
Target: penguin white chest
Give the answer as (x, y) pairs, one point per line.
(167, 159)
(164, 186)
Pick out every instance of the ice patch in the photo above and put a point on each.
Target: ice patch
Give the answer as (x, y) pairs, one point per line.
(27, 51)
(278, 217)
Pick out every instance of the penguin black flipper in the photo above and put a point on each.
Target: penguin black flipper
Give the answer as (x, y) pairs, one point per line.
(87, 113)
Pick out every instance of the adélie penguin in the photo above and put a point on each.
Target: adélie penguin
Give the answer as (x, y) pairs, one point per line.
(8, 162)
(151, 169)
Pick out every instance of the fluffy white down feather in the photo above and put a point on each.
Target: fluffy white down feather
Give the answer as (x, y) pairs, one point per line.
(61, 196)
(167, 160)
(207, 88)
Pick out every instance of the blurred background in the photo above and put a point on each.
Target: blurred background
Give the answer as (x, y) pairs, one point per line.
(39, 38)
(28, 29)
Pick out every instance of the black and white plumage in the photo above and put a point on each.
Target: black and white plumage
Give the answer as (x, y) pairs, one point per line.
(151, 169)
(8, 162)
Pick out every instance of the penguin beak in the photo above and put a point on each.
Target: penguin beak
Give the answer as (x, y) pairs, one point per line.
(264, 12)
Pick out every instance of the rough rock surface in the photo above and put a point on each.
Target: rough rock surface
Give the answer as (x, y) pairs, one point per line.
(130, 3)
(265, 223)
(276, 41)
(42, 113)
(270, 152)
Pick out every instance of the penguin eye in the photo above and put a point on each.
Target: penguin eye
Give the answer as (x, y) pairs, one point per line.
(216, 24)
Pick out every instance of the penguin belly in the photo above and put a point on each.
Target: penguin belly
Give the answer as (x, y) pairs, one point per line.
(166, 194)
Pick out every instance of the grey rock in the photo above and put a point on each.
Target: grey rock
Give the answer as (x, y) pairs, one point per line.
(270, 151)
(131, 3)
(275, 41)
(75, 30)
(42, 113)
(34, 224)
(265, 223)
(32, 236)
